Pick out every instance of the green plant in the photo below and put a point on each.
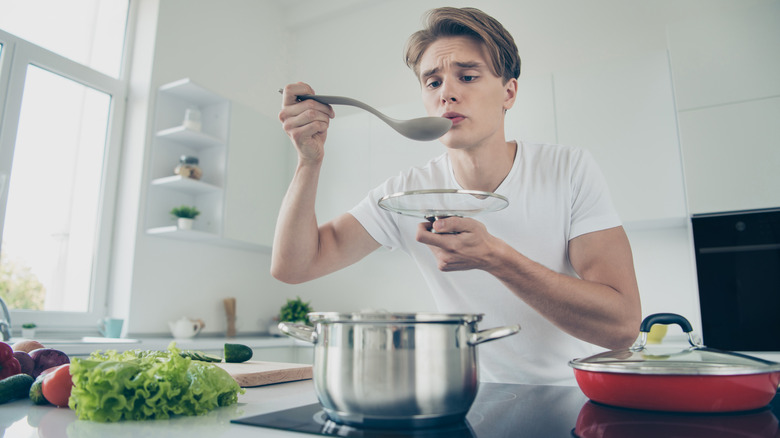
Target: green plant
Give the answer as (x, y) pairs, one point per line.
(29, 325)
(19, 286)
(185, 211)
(295, 311)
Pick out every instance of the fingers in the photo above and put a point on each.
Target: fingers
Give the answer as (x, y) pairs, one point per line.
(306, 122)
(291, 106)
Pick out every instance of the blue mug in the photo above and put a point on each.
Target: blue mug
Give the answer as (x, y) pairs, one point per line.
(110, 327)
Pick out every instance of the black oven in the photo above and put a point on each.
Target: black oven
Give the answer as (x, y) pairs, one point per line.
(738, 269)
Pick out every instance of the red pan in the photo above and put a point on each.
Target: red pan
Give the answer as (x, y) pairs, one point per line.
(696, 379)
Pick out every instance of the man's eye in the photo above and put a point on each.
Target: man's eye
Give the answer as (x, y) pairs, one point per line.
(433, 84)
(469, 78)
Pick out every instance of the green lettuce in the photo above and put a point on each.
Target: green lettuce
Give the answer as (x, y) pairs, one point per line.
(146, 384)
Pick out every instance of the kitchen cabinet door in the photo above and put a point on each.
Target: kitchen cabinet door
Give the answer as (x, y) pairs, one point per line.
(623, 113)
(257, 163)
(726, 57)
(731, 155)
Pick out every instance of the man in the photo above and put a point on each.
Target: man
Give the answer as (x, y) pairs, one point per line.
(556, 260)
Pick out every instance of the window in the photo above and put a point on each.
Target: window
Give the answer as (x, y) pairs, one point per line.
(59, 148)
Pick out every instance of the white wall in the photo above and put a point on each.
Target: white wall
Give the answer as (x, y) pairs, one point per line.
(245, 50)
(238, 51)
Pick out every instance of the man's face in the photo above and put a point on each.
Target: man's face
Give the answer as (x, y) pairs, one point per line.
(458, 83)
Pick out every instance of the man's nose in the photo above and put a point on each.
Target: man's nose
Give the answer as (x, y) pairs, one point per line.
(449, 93)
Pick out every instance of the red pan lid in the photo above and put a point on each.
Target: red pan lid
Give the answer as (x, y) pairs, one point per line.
(695, 360)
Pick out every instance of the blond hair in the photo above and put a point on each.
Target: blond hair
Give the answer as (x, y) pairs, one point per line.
(470, 22)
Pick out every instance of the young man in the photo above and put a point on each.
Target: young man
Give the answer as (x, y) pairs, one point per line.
(556, 260)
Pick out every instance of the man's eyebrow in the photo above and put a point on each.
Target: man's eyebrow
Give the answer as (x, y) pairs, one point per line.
(430, 72)
(467, 64)
(471, 64)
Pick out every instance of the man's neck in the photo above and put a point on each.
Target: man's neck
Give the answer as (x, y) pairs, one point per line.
(483, 168)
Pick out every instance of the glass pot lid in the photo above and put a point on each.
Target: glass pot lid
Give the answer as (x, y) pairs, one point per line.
(695, 360)
(441, 203)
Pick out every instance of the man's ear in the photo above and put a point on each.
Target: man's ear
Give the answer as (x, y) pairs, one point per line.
(510, 89)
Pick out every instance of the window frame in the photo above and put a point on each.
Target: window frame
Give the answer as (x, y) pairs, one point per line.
(15, 57)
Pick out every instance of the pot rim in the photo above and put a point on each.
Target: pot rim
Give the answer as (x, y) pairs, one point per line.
(394, 317)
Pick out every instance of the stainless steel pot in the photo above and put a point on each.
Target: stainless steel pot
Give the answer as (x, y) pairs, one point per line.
(395, 370)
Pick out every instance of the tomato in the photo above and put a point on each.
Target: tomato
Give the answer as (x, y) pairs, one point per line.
(57, 385)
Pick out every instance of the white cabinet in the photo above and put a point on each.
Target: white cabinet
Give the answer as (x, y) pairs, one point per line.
(725, 75)
(726, 57)
(623, 113)
(242, 157)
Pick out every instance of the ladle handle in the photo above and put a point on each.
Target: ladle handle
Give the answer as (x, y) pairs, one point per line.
(340, 100)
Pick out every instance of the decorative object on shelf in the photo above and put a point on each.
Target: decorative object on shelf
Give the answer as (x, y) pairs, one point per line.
(295, 311)
(188, 167)
(186, 328)
(230, 311)
(192, 119)
(185, 215)
(28, 330)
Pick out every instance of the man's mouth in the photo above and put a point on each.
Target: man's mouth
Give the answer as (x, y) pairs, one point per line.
(455, 117)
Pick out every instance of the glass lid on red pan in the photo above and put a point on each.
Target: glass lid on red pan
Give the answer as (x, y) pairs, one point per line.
(440, 203)
(696, 359)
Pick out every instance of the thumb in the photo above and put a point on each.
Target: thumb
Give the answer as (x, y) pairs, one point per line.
(443, 225)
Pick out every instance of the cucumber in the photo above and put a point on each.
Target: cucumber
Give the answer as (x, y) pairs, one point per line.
(36, 391)
(237, 353)
(201, 356)
(15, 387)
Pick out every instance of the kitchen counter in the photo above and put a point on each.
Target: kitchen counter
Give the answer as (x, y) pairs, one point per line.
(500, 411)
(86, 345)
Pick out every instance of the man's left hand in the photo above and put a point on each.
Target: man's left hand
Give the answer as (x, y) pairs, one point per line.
(459, 243)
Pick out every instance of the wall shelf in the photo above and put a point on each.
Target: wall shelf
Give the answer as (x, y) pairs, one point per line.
(191, 138)
(185, 185)
(174, 232)
(172, 140)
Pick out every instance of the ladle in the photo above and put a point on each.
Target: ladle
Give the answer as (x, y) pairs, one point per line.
(421, 129)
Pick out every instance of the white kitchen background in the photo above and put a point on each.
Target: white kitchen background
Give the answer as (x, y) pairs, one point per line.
(678, 101)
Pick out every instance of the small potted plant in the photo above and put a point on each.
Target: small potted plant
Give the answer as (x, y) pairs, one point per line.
(292, 311)
(28, 330)
(184, 216)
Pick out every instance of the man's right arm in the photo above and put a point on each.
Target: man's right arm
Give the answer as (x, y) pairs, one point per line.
(303, 250)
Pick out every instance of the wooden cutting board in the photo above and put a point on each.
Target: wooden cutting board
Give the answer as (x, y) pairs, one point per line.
(256, 373)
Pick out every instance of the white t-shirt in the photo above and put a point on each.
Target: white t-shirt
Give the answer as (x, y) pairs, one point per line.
(555, 193)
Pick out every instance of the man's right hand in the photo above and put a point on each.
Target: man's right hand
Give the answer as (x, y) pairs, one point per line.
(305, 122)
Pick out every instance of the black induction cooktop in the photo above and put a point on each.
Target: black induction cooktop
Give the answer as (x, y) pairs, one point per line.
(512, 410)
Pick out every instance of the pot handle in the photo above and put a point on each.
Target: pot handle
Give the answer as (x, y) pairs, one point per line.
(664, 318)
(298, 331)
(492, 334)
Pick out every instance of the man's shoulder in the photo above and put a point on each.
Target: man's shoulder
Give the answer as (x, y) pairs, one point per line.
(422, 176)
(550, 152)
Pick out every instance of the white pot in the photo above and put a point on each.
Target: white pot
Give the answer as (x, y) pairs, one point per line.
(184, 223)
(28, 333)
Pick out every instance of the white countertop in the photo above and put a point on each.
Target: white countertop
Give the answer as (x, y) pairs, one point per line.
(86, 345)
(22, 419)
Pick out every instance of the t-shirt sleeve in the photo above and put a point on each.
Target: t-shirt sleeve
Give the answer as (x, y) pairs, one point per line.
(592, 208)
(381, 224)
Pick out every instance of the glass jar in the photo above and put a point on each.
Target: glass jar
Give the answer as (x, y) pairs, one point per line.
(188, 167)
(192, 118)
